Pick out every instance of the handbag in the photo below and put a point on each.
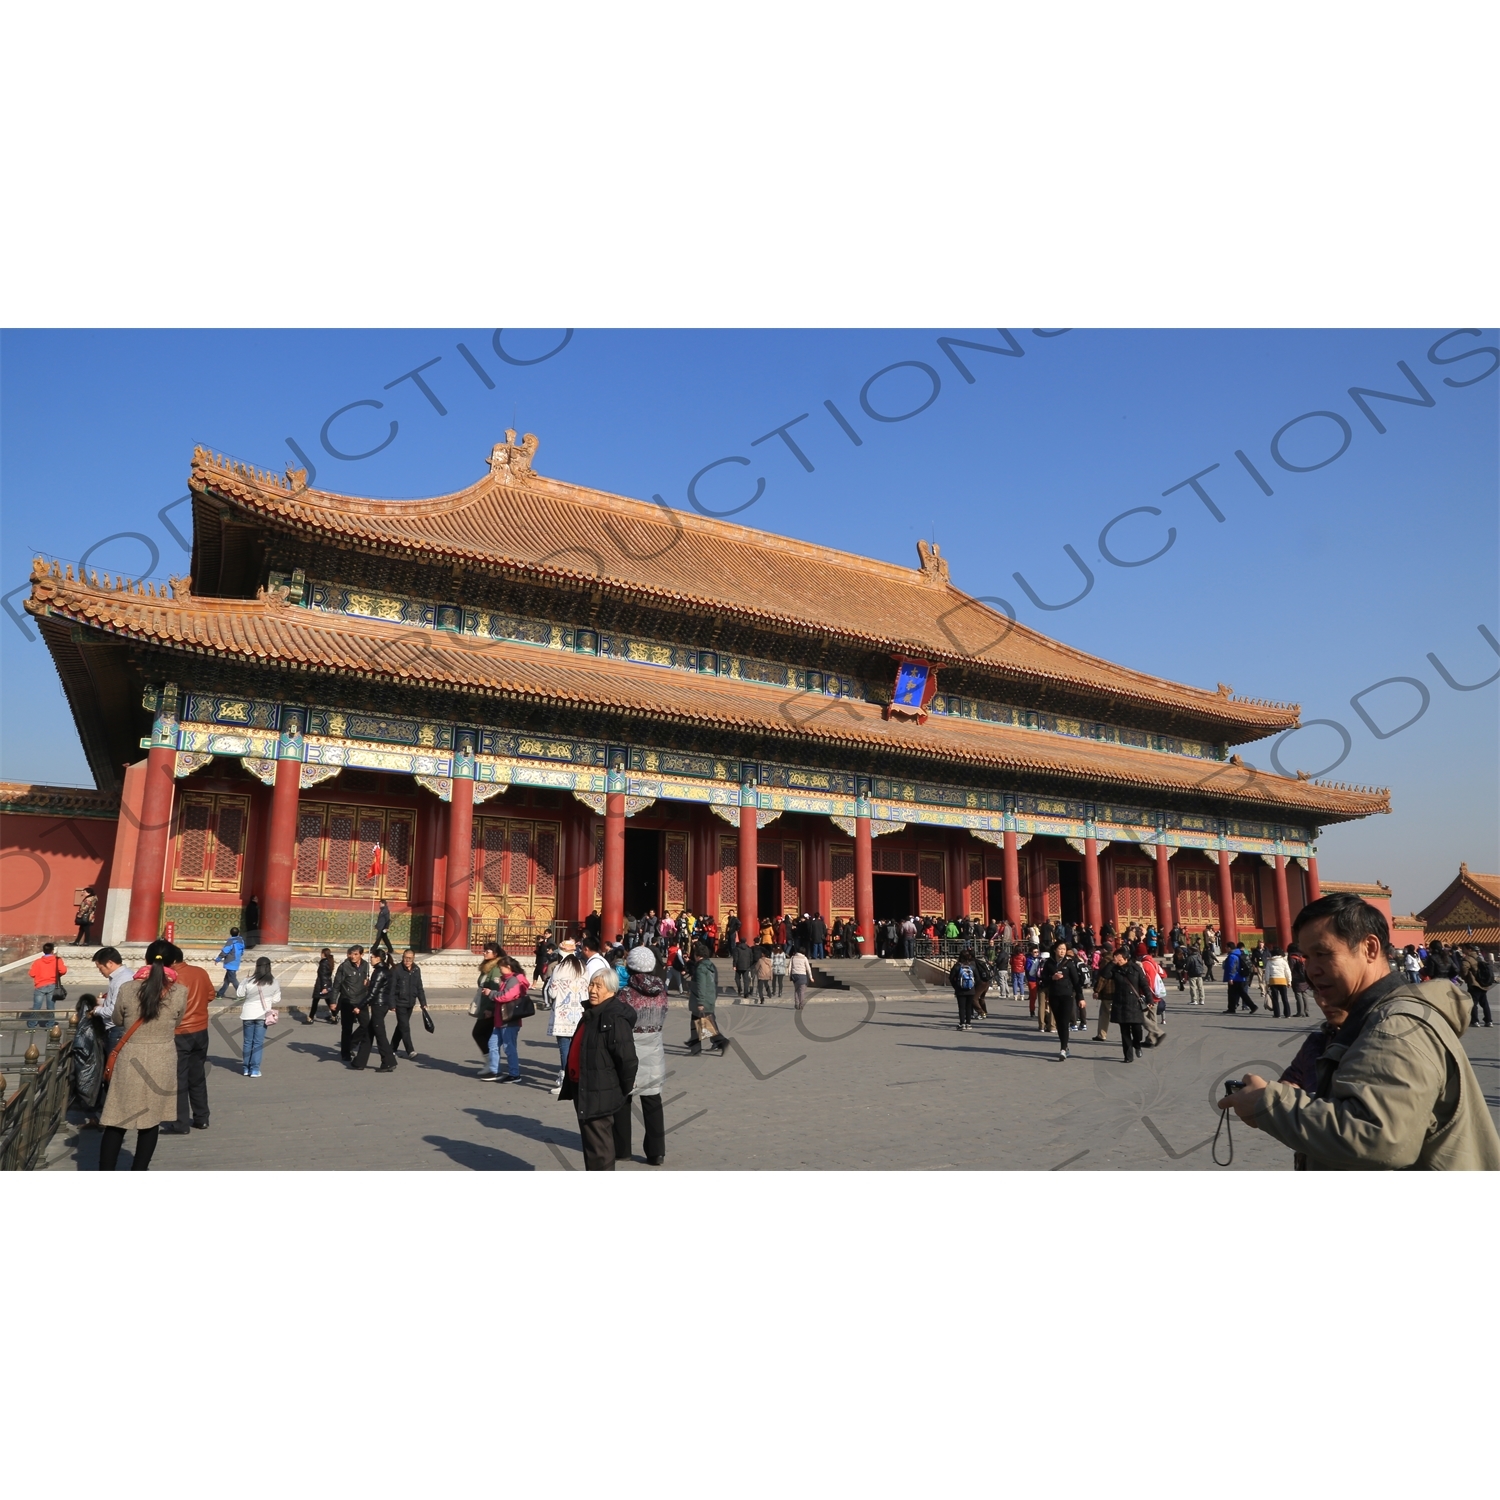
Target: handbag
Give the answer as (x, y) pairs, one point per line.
(272, 1017)
(109, 1064)
(427, 1021)
(473, 1007)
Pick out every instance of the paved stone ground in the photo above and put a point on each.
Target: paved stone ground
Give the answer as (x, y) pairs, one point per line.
(845, 1085)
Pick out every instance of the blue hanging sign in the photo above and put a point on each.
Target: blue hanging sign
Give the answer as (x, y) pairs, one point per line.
(916, 682)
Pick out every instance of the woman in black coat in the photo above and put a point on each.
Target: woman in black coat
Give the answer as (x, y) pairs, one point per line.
(601, 1069)
(321, 987)
(1128, 1001)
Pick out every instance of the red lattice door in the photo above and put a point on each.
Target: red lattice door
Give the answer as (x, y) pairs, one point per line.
(1135, 894)
(1196, 898)
(674, 873)
(841, 902)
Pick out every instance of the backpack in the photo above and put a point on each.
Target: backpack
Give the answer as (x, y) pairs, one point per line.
(965, 977)
(1484, 974)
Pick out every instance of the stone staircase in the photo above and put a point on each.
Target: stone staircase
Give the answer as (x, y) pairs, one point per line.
(876, 978)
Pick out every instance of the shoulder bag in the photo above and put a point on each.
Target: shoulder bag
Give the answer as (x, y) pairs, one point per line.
(109, 1063)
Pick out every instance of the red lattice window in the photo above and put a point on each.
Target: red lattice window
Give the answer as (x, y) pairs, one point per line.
(1246, 906)
(1054, 890)
(546, 861)
(892, 860)
(729, 874)
(491, 838)
(674, 878)
(791, 875)
(1135, 893)
(930, 885)
(398, 830)
(1195, 897)
(520, 859)
(976, 885)
(370, 853)
(338, 865)
(338, 847)
(210, 842)
(768, 851)
(841, 858)
(229, 843)
(194, 830)
(307, 866)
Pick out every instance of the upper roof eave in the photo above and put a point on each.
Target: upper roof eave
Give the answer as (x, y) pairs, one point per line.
(631, 545)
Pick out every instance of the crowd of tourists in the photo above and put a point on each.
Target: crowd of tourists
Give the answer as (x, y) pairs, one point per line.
(606, 1004)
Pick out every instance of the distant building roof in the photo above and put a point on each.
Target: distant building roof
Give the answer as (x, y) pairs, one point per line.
(1467, 910)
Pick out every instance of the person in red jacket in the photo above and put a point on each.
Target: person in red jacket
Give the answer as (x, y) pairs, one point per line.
(46, 977)
(192, 1041)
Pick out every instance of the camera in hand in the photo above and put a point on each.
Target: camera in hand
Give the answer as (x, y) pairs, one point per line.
(1232, 1086)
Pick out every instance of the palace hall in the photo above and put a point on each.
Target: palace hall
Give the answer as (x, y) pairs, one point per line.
(504, 709)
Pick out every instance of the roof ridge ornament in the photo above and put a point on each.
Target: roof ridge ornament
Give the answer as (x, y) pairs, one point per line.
(934, 565)
(510, 461)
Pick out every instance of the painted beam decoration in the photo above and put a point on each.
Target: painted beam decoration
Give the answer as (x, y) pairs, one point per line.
(335, 740)
(916, 684)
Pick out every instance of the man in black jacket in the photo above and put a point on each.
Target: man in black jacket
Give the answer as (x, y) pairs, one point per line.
(1062, 983)
(349, 981)
(744, 963)
(406, 991)
(601, 1069)
(819, 936)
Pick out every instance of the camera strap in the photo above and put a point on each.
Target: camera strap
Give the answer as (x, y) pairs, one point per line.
(1228, 1130)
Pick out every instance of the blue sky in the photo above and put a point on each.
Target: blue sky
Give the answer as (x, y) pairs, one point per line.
(1348, 574)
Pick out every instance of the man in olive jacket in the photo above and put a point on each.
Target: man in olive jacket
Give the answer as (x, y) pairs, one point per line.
(601, 1069)
(703, 999)
(1395, 1087)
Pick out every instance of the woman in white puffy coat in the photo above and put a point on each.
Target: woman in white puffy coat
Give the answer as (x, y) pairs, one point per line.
(1278, 982)
(260, 998)
(567, 992)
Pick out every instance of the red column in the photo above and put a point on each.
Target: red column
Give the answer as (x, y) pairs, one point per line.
(1283, 904)
(281, 853)
(460, 870)
(1012, 868)
(864, 884)
(151, 847)
(612, 913)
(1227, 924)
(1094, 906)
(749, 866)
(1163, 893)
(1310, 874)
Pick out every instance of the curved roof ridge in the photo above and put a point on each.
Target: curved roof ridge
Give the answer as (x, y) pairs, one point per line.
(917, 613)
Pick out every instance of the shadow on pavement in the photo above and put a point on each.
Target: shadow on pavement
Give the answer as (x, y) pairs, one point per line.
(477, 1157)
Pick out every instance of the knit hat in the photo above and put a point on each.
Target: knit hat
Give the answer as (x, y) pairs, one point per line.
(640, 961)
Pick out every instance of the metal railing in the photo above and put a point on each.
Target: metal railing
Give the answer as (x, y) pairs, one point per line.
(32, 1114)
